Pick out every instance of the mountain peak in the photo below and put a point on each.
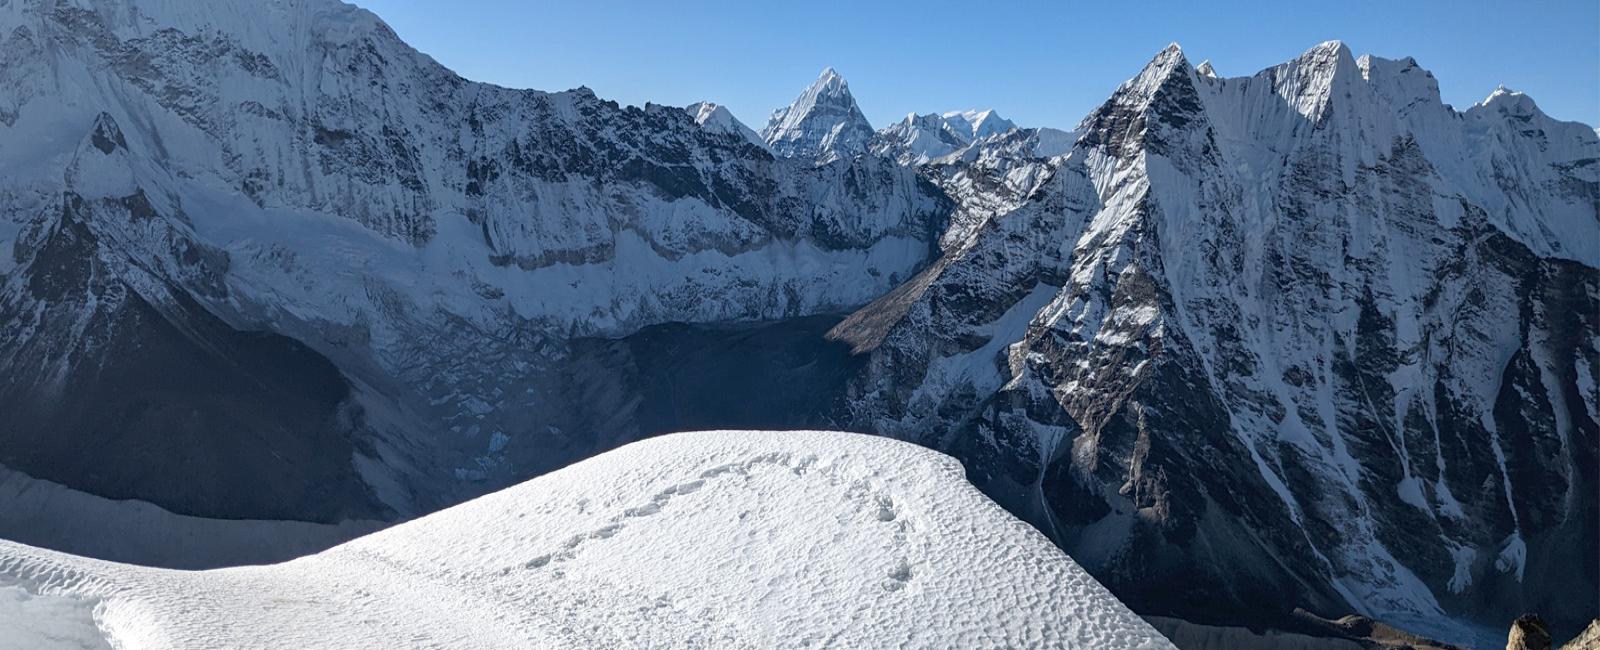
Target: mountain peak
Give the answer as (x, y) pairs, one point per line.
(1169, 61)
(718, 119)
(829, 83)
(1510, 102)
(824, 122)
(1333, 46)
(975, 124)
(920, 138)
(1312, 81)
(1327, 57)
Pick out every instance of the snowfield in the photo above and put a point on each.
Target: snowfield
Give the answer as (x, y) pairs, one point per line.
(719, 539)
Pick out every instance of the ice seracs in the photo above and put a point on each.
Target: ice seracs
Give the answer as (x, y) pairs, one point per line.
(822, 124)
(722, 539)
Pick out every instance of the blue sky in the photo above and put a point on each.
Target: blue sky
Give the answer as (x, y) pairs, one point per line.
(1038, 63)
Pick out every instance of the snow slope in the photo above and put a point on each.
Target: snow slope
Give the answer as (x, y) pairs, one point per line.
(719, 539)
(54, 516)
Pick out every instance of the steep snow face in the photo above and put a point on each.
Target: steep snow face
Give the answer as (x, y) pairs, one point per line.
(187, 173)
(1311, 319)
(823, 124)
(724, 539)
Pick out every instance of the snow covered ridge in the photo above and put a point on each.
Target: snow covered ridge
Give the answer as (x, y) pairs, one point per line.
(720, 539)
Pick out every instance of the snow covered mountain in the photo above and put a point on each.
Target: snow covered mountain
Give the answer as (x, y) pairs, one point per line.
(1305, 338)
(918, 139)
(288, 267)
(949, 138)
(724, 539)
(1311, 331)
(976, 125)
(823, 123)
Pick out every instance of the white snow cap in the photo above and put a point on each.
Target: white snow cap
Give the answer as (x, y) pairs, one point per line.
(721, 539)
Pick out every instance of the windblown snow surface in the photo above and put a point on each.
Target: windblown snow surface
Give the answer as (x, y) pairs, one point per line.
(719, 539)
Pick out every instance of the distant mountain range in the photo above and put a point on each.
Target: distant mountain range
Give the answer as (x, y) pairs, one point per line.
(1307, 338)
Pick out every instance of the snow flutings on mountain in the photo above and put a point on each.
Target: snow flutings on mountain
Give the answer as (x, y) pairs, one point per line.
(724, 539)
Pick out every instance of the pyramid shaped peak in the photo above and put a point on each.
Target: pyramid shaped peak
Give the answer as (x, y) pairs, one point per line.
(831, 81)
(824, 122)
(1166, 63)
(1169, 58)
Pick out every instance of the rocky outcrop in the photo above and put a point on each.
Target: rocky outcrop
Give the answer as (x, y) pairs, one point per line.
(1589, 639)
(1528, 632)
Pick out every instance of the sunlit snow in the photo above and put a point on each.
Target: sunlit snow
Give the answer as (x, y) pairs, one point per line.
(722, 539)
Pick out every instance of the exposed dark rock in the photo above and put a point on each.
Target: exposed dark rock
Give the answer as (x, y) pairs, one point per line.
(1528, 632)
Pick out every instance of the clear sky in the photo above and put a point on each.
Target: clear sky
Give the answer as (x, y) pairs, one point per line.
(1038, 63)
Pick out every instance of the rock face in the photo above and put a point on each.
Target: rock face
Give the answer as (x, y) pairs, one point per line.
(1310, 330)
(823, 123)
(1528, 632)
(1308, 338)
